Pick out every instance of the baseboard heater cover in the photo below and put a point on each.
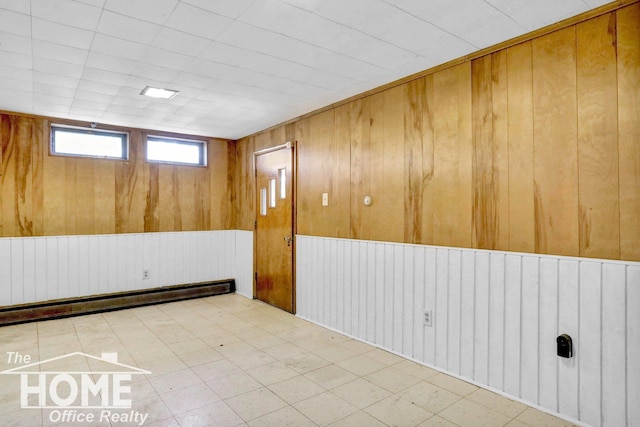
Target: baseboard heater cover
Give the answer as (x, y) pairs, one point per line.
(56, 309)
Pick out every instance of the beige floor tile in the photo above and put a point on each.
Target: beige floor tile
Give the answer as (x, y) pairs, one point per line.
(361, 393)
(516, 423)
(272, 373)
(234, 384)
(358, 419)
(358, 347)
(255, 403)
(200, 357)
(396, 411)
(335, 353)
(162, 366)
(533, 417)
(21, 418)
(188, 346)
(415, 369)
(171, 422)
(454, 385)
(251, 332)
(234, 349)
(218, 414)
(296, 389)
(470, 414)
(305, 362)
(284, 351)
(55, 327)
(437, 421)
(287, 416)
(430, 396)
(265, 341)
(325, 408)
(252, 359)
(188, 399)
(362, 365)
(385, 357)
(212, 370)
(175, 381)
(155, 407)
(330, 376)
(498, 403)
(393, 380)
(315, 342)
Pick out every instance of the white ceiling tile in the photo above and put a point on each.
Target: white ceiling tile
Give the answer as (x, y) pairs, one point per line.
(231, 9)
(15, 23)
(51, 109)
(50, 66)
(180, 42)
(96, 3)
(110, 63)
(72, 55)
(167, 59)
(16, 60)
(193, 80)
(10, 83)
(198, 22)
(62, 82)
(81, 104)
(119, 48)
(17, 100)
(20, 6)
(103, 76)
(533, 15)
(61, 34)
(14, 43)
(52, 95)
(154, 73)
(9, 72)
(126, 28)
(98, 86)
(131, 97)
(66, 12)
(83, 95)
(157, 12)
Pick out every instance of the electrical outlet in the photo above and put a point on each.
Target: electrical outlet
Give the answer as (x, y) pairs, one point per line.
(145, 274)
(428, 318)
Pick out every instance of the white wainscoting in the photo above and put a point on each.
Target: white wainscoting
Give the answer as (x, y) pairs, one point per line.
(496, 318)
(34, 269)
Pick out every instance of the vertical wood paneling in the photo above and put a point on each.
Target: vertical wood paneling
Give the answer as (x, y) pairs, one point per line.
(599, 210)
(452, 156)
(520, 128)
(628, 44)
(555, 139)
(496, 318)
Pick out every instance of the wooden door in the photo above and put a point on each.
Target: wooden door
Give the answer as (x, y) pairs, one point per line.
(274, 228)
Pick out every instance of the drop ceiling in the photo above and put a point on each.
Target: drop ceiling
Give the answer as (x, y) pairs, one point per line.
(240, 65)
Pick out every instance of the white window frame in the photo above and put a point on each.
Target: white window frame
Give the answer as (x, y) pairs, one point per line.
(201, 144)
(124, 136)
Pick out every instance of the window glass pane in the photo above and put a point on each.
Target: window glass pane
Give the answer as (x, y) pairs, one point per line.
(88, 142)
(263, 201)
(272, 193)
(175, 151)
(282, 173)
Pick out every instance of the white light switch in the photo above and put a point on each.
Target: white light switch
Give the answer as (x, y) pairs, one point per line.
(325, 199)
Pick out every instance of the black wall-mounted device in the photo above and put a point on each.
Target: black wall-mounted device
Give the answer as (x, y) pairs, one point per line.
(565, 346)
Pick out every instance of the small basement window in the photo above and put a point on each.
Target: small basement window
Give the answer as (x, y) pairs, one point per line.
(175, 150)
(89, 142)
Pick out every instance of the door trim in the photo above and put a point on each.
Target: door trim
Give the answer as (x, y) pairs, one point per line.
(294, 213)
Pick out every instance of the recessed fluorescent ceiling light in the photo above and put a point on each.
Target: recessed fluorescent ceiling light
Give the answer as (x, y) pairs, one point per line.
(155, 92)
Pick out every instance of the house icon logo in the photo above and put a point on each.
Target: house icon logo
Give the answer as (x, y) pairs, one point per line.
(76, 381)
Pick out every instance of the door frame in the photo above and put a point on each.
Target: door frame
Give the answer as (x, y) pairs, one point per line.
(289, 145)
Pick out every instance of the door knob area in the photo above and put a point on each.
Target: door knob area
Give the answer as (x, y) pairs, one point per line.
(288, 239)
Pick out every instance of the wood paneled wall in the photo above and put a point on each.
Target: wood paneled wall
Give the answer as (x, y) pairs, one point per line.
(44, 195)
(533, 148)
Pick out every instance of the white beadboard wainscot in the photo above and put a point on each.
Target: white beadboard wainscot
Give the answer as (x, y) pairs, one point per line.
(34, 269)
(496, 316)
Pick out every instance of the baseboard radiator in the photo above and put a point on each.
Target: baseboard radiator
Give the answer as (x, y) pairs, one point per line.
(55, 309)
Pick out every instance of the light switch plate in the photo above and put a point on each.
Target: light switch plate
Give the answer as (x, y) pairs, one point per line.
(325, 199)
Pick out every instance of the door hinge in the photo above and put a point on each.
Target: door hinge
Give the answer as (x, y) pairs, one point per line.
(255, 276)
(255, 225)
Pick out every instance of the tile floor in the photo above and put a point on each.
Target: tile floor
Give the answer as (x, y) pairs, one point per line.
(230, 361)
